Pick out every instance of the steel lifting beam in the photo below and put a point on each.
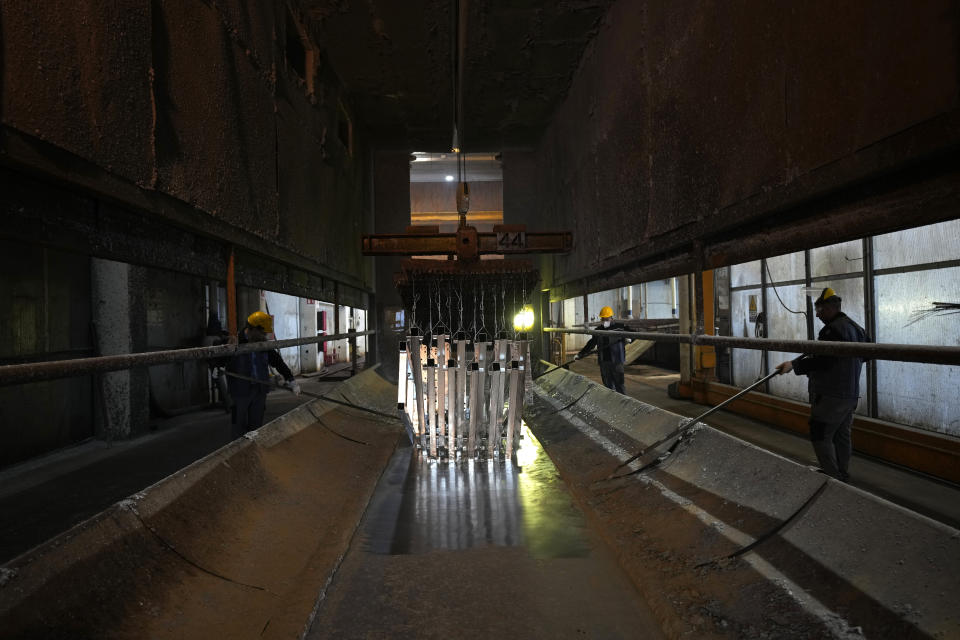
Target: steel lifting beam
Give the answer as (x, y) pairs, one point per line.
(439, 244)
(866, 350)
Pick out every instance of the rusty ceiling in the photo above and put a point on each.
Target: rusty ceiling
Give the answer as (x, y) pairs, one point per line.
(397, 62)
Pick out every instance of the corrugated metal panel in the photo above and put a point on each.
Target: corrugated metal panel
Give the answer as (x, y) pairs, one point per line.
(921, 395)
(932, 243)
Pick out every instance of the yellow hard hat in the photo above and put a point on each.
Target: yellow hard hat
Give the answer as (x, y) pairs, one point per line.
(261, 320)
(825, 295)
(606, 312)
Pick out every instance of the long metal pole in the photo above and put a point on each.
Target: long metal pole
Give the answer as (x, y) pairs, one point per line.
(37, 371)
(692, 421)
(867, 350)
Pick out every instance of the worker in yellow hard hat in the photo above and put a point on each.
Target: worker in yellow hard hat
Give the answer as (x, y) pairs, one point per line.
(250, 398)
(834, 387)
(611, 354)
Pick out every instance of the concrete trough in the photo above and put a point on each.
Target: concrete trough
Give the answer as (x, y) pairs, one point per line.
(239, 544)
(831, 561)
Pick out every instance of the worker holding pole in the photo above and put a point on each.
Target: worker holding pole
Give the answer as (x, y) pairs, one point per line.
(834, 386)
(611, 353)
(245, 369)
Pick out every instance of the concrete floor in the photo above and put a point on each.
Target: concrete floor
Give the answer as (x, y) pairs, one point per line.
(478, 550)
(934, 498)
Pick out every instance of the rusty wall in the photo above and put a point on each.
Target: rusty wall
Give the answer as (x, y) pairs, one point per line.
(194, 102)
(391, 189)
(705, 121)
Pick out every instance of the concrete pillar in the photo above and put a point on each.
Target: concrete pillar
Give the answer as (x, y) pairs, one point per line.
(122, 408)
(391, 188)
(308, 329)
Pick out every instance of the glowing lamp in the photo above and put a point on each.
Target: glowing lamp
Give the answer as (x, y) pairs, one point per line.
(523, 321)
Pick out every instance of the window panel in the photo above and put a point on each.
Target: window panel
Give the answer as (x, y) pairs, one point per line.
(933, 243)
(786, 267)
(746, 362)
(917, 394)
(837, 259)
(745, 274)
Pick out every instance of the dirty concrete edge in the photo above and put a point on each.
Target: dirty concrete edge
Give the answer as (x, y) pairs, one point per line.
(828, 517)
(24, 574)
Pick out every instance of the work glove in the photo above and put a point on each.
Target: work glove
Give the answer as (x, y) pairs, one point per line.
(293, 386)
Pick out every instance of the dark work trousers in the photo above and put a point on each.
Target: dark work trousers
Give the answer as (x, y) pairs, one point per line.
(830, 421)
(612, 375)
(247, 413)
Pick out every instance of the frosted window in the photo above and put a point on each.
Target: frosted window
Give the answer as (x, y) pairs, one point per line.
(920, 395)
(659, 302)
(780, 322)
(932, 243)
(746, 362)
(787, 267)
(740, 324)
(789, 385)
(902, 297)
(837, 259)
(745, 274)
(783, 325)
(746, 366)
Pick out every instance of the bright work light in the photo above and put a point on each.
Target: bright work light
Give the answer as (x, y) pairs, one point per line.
(523, 321)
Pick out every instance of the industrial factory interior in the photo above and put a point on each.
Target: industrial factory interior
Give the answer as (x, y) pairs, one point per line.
(479, 319)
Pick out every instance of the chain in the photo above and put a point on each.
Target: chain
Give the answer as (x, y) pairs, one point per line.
(503, 306)
(413, 294)
(483, 315)
(513, 302)
(460, 304)
(430, 307)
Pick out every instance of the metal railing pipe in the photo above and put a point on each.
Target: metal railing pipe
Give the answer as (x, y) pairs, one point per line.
(37, 371)
(929, 354)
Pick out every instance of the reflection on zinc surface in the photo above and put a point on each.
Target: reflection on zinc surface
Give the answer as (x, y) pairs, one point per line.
(423, 505)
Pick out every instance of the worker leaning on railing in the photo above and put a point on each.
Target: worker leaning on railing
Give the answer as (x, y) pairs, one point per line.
(250, 398)
(611, 353)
